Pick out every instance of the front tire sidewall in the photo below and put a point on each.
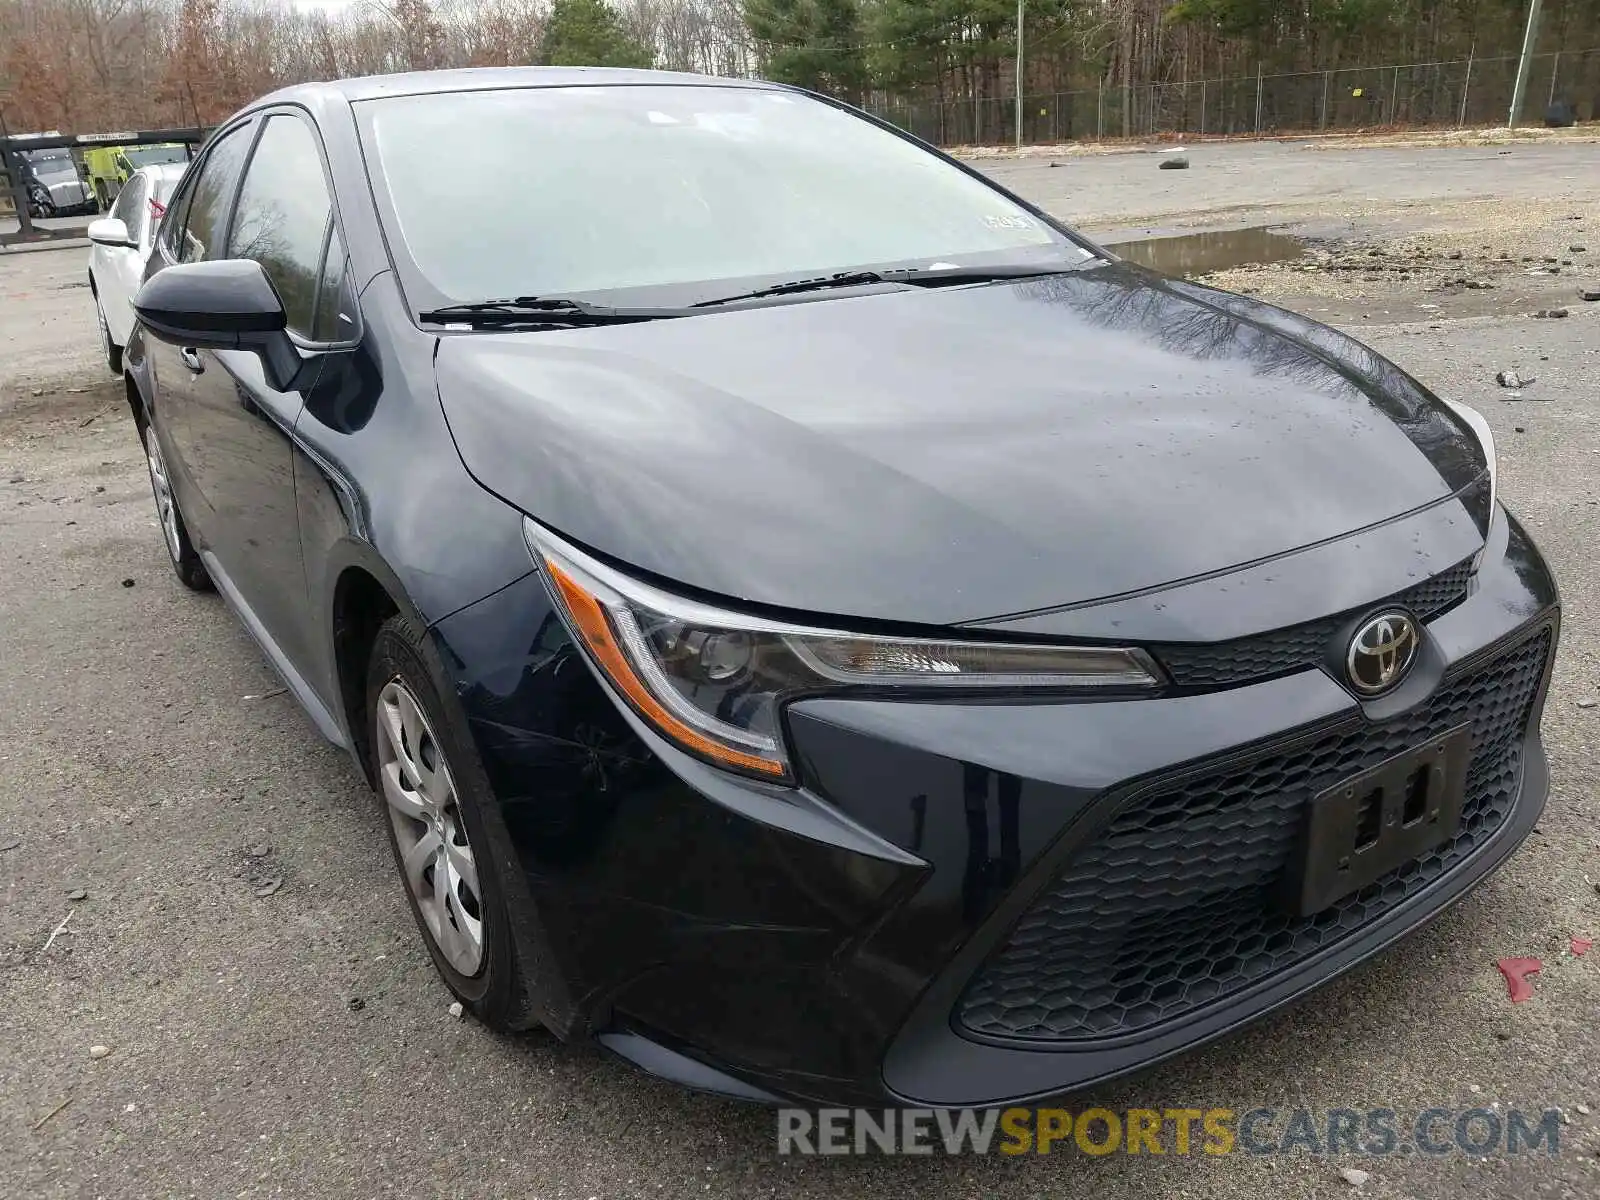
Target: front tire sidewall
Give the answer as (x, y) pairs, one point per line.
(186, 564)
(495, 993)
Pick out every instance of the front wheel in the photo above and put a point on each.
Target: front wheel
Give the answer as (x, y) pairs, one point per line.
(440, 811)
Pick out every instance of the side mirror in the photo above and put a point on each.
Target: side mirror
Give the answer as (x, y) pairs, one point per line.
(109, 231)
(226, 304)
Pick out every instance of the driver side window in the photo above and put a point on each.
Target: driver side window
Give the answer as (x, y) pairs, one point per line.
(283, 214)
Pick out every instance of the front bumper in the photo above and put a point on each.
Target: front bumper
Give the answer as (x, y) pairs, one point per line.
(70, 198)
(970, 903)
(1129, 950)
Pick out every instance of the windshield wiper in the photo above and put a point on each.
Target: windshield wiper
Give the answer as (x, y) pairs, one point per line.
(545, 310)
(821, 284)
(914, 276)
(567, 311)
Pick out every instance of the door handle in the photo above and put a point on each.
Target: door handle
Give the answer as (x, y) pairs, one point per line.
(191, 359)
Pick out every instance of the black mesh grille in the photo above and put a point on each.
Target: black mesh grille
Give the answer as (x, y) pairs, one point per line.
(1178, 902)
(1439, 593)
(1216, 664)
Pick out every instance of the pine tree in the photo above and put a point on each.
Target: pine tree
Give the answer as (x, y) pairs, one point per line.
(588, 33)
(814, 44)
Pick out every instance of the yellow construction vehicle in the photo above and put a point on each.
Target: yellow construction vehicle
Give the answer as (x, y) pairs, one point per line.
(109, 167)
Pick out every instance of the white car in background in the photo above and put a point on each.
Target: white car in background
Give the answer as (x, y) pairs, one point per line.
(122, 241)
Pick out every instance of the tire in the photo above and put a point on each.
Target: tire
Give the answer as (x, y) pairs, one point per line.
(186, 564)
(435, 794)
(113, 351)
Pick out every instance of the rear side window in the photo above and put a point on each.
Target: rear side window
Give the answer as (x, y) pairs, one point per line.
(165, 186)
(140, 227)
(129, 203)
(208, 204)
(282, 216)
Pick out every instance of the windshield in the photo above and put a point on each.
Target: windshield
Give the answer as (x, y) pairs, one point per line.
(556, 191)
(149, 156)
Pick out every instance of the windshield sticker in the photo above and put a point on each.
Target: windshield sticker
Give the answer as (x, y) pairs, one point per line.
(1007, 222)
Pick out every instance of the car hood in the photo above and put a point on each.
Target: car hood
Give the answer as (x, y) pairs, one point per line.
(944, 456)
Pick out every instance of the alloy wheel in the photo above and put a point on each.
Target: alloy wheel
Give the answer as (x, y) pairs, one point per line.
(435, 855)
(161, 485)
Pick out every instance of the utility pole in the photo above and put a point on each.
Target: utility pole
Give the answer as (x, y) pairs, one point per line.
(1019, 74)
(1529, 39)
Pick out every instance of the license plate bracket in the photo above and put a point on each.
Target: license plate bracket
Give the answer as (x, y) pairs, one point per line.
(1365, 826)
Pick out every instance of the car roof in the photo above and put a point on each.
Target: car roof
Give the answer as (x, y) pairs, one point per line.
(472, 79)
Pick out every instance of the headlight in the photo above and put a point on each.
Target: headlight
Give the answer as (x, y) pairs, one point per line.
(1474, 420)
(712, 681)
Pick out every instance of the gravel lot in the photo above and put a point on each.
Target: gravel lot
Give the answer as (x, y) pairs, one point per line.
(148, 758)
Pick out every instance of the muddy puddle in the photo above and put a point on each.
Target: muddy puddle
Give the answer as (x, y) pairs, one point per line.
(1199, 253)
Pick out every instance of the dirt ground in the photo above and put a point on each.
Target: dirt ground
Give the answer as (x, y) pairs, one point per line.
(298, 1043)
(1398, 231)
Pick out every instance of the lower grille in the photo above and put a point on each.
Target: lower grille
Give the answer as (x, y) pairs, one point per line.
(1178, 902)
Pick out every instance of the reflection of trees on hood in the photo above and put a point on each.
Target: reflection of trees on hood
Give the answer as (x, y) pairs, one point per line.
(1352, 356)
(1160, 312)
(1390, 389)
(1206, 325)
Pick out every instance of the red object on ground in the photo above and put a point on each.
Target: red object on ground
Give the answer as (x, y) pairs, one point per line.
(1581, 945)
(1516, 971)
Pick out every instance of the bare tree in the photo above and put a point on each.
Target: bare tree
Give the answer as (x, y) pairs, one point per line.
(99, 65)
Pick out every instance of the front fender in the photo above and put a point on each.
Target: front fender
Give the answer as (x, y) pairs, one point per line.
(380, 489)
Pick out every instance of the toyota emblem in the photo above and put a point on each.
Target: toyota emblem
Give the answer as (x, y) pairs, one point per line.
(1382, 652)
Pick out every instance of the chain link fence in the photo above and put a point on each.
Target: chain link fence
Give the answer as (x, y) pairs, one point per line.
(1469, 91)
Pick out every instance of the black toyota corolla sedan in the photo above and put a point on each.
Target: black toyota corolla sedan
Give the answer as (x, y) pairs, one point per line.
(816, 624)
